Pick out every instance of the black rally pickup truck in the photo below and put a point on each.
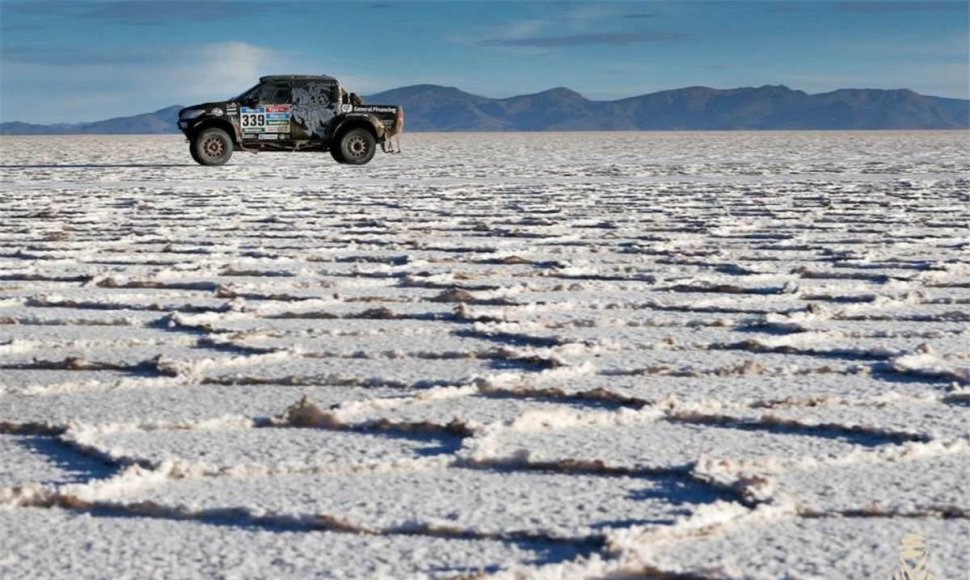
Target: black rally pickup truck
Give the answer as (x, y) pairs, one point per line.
(291, 113)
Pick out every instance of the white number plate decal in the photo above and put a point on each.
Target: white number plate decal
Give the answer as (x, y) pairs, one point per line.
(266, 119)
(253, 120)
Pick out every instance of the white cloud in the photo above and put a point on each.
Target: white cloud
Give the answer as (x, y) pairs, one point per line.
(59, 90)
(524, 28)
(213, 71)
(88, 91)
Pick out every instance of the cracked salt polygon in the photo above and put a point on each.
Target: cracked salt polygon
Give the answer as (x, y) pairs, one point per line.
(565, 316)
(120, 317)
(826, 547)
(470, 411)
(807, 322)
(728, 301)
(421, 310)
(214, 448)
(738, 389)
(135, 299)
(380, 371)
(443, 343)
(626, 338)
(906, 311)
(716, 361)
(180, 350)
(243, 324)
(933, 485)
(886, 328)
(43, 460)
(663, 445)
(65, 334)
(860, 242)
(950, 346)
(84, 545)
(928, 419)
(139, 403)
(21, 381)
(478, 501)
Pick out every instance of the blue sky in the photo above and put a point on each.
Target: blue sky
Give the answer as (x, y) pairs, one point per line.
(88, 60)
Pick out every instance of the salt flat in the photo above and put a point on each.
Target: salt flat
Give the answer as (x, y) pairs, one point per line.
(514, 355)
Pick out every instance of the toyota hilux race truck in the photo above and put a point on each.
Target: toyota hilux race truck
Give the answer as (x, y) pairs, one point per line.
(291, 113)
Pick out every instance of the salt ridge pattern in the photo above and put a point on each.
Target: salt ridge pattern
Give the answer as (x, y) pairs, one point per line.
(512, 356)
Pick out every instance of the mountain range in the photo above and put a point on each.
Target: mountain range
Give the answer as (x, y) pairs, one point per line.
(438, 108)
(161, 121)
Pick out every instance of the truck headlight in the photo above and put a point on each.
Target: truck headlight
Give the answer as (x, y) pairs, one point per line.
(191, 114)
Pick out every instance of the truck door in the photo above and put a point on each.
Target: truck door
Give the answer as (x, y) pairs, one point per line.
(268, 119)
(315, 103)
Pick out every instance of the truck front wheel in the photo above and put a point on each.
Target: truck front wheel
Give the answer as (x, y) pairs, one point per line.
(211, 147)
(357, 146)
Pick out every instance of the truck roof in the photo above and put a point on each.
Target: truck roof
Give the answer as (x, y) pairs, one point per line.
(324, 78)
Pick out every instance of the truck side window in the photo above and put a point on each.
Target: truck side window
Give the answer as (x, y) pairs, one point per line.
(275, 94)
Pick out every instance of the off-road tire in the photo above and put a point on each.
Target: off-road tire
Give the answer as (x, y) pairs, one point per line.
(335, 153)
(357, 146)
(195, 156)
(212, 146)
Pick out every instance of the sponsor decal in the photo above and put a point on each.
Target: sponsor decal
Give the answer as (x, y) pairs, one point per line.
(268, 136)
(265, 119)
(374, 109)
(346, 108)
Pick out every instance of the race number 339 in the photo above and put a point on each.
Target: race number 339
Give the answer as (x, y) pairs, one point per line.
(252, 120)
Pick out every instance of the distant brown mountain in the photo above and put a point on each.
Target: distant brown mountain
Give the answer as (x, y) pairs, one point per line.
(438, 108)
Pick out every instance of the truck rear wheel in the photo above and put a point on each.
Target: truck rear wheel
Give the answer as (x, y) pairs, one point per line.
(211, 147)
(335, 153)
(357, 146)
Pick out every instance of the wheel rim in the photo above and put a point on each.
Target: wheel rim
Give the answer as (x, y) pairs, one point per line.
(356, 146)
(213, 147)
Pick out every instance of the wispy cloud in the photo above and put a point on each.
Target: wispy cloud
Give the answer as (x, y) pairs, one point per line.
(60, 56)
(583, 16)
(578, 25)
(942, 48)
(88, 88)
(600, 38)
(524, 29)
(145, 12)
(900, 5)
(158, 11)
